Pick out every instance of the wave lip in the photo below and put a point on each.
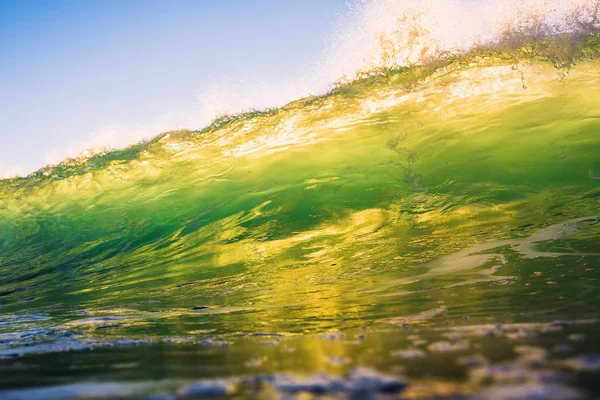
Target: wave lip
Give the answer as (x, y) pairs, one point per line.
(387, 34)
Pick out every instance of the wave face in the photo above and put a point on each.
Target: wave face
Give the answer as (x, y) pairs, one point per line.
(432, 221)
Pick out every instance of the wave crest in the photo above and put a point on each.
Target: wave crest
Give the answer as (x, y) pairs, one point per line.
(390, 34)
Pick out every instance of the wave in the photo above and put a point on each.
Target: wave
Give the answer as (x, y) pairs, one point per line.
(562, 51)
(462, 187)
(383, 35)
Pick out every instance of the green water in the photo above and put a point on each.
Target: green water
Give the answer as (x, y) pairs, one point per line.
(428, 234)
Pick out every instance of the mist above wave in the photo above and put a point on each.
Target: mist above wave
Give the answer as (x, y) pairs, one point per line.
(383, 34)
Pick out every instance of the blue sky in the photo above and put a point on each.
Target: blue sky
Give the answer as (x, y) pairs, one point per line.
(71, 68)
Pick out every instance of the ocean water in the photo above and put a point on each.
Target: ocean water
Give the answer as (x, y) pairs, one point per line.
(423, 233)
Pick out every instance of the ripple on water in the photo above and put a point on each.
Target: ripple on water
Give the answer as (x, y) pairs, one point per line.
(532, 392)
